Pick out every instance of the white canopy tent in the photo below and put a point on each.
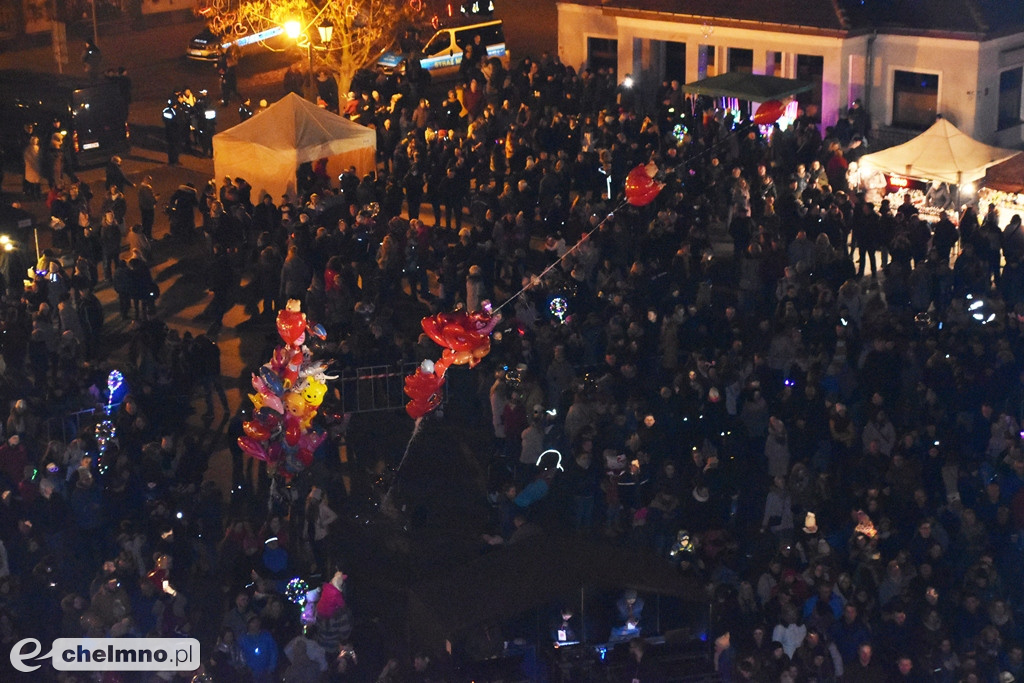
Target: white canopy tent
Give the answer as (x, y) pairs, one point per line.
(941, 153)
(267, 149)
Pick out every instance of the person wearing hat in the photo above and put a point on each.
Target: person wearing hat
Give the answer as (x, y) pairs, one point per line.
(630, 607)
(275, 561)
(334, 618)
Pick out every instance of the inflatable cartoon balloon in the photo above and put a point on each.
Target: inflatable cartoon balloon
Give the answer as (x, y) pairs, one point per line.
(252, 447)
(641, 187)
(289, 388)
(256, 430)
(465, 339)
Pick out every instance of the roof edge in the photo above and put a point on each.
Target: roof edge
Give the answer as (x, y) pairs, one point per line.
(697, 19)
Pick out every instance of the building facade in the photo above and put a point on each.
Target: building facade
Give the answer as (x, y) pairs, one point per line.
(963, 59)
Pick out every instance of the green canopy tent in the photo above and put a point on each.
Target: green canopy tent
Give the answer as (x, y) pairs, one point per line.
(750, 87)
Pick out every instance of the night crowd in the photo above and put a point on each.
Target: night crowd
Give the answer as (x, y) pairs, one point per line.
(840, 442)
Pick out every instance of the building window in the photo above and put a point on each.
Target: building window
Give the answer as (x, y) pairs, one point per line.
(741, 60)
(915, 99)
(603, 53)
(810, 69)
(675, 61)
(1010, 97)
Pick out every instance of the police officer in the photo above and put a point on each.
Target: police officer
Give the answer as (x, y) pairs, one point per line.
(172, 128)
(206, 124)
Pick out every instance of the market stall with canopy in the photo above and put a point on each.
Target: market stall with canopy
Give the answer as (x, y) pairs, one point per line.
(735, 90)
(267, 149)
(941, 154)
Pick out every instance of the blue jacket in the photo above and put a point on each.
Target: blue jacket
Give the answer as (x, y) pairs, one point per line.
(259, 651)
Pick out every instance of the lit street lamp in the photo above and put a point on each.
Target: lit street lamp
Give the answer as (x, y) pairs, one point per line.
(326, 30)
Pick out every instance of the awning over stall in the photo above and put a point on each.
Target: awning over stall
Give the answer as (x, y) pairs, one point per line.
(752, 87)
(943, 153)
(1007, 176)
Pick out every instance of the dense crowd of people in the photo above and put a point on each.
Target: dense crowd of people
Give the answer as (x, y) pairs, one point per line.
(830, 442)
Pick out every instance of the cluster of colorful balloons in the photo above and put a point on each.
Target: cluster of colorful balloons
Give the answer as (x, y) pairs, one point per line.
(466, 340)
(289, 390)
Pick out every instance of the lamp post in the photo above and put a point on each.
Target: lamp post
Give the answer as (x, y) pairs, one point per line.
(293, 29)
(326, 31)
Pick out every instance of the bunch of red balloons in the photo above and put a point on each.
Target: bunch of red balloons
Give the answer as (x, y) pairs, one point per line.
(465, 339)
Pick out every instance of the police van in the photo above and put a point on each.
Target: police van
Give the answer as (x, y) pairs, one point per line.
(91, 116)
(442, 54)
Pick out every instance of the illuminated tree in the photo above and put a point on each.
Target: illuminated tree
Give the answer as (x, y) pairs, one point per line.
(360, 28)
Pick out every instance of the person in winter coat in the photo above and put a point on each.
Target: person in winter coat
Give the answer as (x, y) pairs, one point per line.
(147, 199)
(776, 448)
(123, 288)
(476, 290)
(110, 244)
(227, 663)
(139, 243)
(334, 618)
(319, 517)
(115, 175)
(181, 209)
(778, 510)
(33, 169)
(259, 650)
(268, 279)
(295, 276)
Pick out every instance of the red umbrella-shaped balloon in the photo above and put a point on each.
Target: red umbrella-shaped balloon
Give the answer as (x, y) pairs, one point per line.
(768, 112)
